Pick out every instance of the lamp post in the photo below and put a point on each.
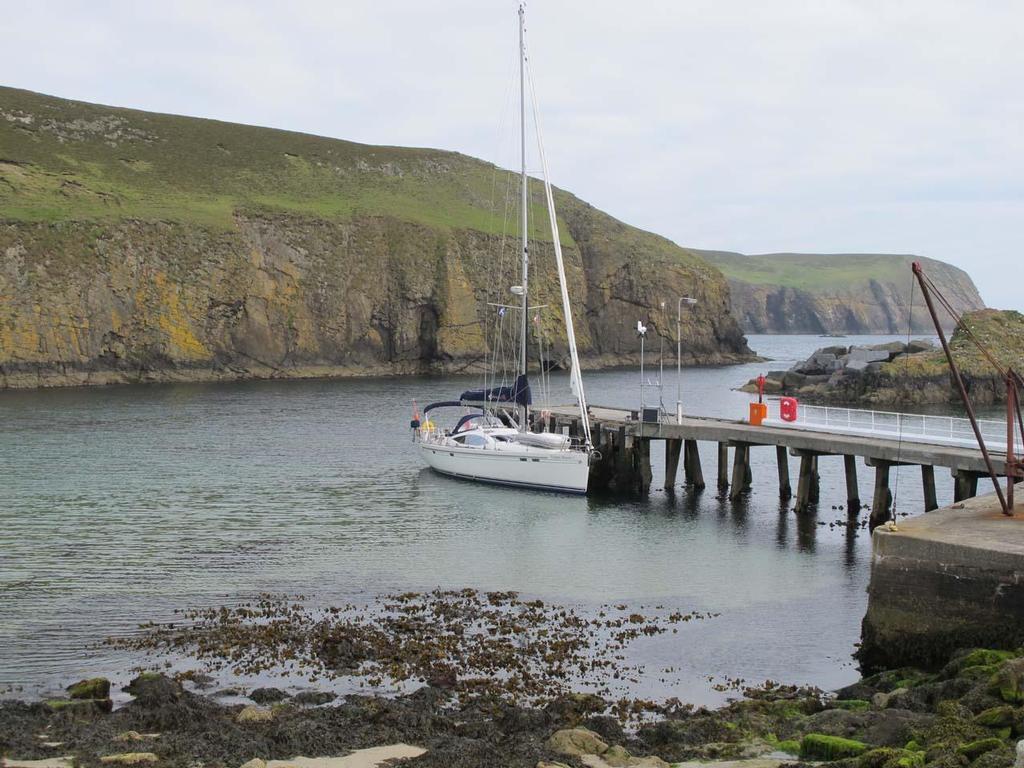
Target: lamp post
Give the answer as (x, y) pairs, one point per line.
(641, 331)
(679, 355)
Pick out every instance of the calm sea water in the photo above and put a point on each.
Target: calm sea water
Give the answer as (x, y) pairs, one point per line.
(119, 505)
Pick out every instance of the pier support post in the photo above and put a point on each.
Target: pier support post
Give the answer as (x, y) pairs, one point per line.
(723, 466)
(804, 482)
(692, 468)
(740, 471)
(815, 481)
(852, 488)
(928, 484)
(782, 456)
(883, 496)
(965, 485)
(642, 451)
(672, 450)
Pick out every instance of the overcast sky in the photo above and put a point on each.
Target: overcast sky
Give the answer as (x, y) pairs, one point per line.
(819, 126)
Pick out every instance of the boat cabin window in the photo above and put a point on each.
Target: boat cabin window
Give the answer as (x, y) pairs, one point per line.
(460, 439)
(477, 440)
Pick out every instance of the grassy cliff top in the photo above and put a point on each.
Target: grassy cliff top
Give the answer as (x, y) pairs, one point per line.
(66, 160)
(838, 273)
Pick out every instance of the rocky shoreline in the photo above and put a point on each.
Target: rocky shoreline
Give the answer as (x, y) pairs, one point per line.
(466, 679)
(916, 373)
(969, 714)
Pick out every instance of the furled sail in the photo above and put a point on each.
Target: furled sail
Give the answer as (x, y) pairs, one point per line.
(518, 393)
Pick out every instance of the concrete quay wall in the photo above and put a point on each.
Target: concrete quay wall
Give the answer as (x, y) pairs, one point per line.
(948, 579)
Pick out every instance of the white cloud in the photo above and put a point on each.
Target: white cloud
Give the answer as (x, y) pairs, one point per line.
(824, 125)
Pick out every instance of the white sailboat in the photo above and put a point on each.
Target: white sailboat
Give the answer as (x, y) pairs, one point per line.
(493, 442)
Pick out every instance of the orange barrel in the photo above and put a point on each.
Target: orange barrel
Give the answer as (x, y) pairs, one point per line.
(787, 408)
(758, 413)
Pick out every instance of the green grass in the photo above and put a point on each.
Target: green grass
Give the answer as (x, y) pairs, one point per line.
(64, 160)
(813, 272)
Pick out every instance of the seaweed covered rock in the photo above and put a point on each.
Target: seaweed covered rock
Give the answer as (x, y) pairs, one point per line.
(93, 688)
(1008, 681)
(820, 746)
(151, 689)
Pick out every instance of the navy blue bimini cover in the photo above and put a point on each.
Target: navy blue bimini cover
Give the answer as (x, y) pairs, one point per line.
(518, 393)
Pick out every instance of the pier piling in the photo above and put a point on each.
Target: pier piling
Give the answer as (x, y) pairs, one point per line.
(782, 458)
(928, 484)
(804, 483)
(741, 475)
(723, 466)
(672, 450)
(692, 468)
(852, 488)
(965, 485)
(882, 499)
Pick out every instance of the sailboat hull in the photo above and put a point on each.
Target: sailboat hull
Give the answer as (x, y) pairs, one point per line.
(563, 471)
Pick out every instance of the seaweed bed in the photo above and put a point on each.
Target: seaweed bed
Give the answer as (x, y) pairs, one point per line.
(497, 692)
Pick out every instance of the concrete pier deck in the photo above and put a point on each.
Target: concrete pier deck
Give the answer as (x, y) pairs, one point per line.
(952, 578)
(624, 445)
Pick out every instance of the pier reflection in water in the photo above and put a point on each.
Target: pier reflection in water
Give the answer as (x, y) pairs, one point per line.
(120, 505)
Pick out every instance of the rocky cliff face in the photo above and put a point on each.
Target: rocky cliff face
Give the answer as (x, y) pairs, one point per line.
(141, 247)
(836, 293)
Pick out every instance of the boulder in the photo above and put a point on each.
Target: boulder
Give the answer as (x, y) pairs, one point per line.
(824, 360)
(1008, 682)
(855, 366)
(81, 707)
(812, 379)
(997, 717)
(1019, 763)
(93, 688)
(314, 698)
(254, 763)
(868, 355)
(151, 690)
(250, 715)
(819, 746)
(135, 736)
(974, 749)
(268, 695)
(893, 348)
(919, 345)
(617, 756)
(130, 758)
(793, 380)
(575, 742)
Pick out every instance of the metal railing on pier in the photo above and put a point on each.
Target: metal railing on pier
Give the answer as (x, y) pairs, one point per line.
(925, 428)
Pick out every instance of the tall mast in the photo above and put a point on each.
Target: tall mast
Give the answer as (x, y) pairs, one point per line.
(524, 189)
(575, 376)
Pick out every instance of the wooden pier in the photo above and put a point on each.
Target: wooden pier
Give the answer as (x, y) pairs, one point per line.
(624, 443)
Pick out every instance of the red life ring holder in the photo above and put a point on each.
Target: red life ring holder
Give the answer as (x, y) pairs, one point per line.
(788, 408)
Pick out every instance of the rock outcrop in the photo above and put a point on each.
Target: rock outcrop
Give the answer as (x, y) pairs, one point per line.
(908, 374)
(836, 293)
(144, 247)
